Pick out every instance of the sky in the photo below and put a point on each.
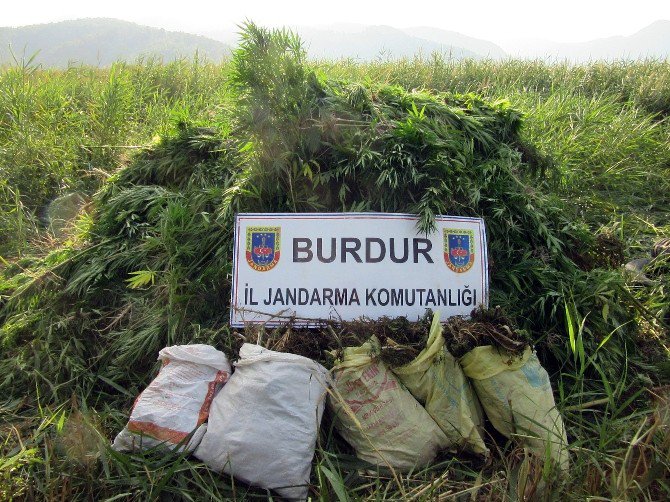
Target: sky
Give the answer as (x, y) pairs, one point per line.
(495, 20)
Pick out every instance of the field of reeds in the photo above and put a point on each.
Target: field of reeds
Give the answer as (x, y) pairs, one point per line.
(569, 166)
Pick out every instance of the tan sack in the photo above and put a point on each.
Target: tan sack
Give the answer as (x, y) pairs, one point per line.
(436, 380)
(173, 409)
(517, 398)
(264, 424)
(377, 416)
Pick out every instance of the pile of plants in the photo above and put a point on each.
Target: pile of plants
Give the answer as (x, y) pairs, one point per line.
(151, 267)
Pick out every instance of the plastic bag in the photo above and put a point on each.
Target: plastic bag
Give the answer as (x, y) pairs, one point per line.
(176, 403)
(436, 380)
(517, 398)
(377, 416)
(263, 425)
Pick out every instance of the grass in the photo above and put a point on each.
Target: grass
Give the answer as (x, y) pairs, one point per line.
(149, 268)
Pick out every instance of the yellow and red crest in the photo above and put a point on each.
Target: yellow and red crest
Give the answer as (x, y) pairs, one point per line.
(263, 247)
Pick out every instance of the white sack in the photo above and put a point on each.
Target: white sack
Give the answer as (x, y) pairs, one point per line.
(176, 403)
(264, 423)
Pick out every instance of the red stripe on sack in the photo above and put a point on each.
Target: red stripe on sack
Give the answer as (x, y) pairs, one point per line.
(220, 379)
(157, 432)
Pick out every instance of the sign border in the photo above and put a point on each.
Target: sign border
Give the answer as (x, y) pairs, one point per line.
(313, 323)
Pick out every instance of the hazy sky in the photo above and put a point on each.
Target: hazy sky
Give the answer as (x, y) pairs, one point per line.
(558, 20)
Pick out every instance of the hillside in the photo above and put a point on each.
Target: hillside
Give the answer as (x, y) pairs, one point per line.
(100, 42)
(652, 41)
(368, 43)
(173, 150)
(567, 164)
(451, 38)
(372, 42)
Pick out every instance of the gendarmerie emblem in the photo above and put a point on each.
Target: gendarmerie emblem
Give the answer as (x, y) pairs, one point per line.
(263, 247)
(459, 249)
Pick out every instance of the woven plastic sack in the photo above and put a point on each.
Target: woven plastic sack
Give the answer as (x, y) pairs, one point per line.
(173, 409)
(517, 398)
(436, 380)
(377, 416)
(263, 425)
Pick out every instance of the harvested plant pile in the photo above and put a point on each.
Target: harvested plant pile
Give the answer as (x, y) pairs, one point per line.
(83, 325)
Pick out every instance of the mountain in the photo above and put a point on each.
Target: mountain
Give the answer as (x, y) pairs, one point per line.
(483, 48)
(100, 42)
(368, 43)
(373, 42)
(650, 42)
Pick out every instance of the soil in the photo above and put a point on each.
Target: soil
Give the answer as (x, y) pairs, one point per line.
(486, 327)
(309, 343)
(400, 339)
(607, 252)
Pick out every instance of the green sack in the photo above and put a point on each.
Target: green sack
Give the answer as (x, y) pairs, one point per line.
(516, 395)
(436, 380)
(377, 416)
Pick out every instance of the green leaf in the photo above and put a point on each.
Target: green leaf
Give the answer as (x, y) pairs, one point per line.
(116, 386)
(141, 278)
(337, 483)
(606, 311)
(571, 329)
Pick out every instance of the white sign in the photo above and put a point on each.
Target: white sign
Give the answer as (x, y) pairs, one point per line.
(344, 266)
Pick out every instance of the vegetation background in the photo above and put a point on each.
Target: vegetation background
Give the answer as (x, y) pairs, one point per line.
(599, 136)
